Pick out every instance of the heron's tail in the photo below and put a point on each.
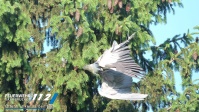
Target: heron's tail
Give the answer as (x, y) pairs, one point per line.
(133, 96)
(124, 96)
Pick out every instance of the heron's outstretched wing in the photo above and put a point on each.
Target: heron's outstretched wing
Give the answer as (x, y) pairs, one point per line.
(118, 57)
(116, 85)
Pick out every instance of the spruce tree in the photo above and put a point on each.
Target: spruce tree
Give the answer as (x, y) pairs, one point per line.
(80, 31)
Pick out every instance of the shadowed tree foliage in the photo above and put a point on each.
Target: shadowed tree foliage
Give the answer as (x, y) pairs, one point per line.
(80, 31)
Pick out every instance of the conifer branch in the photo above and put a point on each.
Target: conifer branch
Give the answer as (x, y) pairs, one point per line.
(169, 41)
(178, 55)
(30, 55)
(169, 108)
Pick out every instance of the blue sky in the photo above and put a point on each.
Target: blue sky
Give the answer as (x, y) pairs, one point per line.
(184, 18)
(178, 23)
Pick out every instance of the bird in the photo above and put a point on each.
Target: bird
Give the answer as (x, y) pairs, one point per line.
(116, 69)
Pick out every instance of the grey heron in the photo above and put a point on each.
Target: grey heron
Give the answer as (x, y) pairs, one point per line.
(116, 68)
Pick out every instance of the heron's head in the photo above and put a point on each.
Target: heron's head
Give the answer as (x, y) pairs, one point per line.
(94, 68)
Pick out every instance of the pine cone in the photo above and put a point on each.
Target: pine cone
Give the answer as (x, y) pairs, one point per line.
(128, 7)
(75, 68)
(31, 102)
(109, 3)
(169, 1)
(120, 3)
(117, 30)
(195, 56)
(77, 15)
(85, 7)
(80, 31)
(25, 80)
(115, 2)
(197, 39)
(176, 51)
(111, 10)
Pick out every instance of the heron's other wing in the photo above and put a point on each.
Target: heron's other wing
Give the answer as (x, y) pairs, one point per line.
(116, 85)
(124, 43)
(118, 57)
(125, 64)
(105, 58)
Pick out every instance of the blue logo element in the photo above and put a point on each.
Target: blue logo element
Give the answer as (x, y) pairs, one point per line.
(53, 98)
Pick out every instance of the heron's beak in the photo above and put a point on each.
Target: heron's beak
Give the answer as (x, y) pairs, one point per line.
(86, 67)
